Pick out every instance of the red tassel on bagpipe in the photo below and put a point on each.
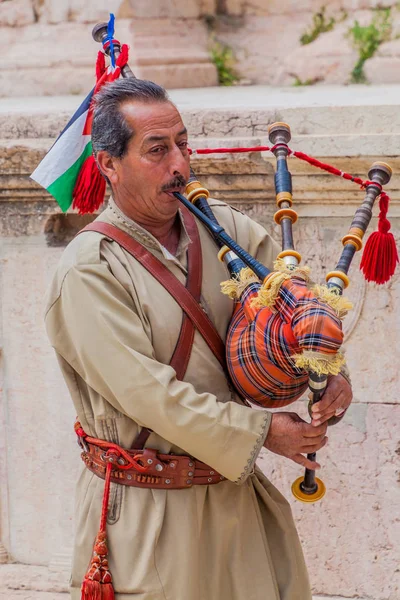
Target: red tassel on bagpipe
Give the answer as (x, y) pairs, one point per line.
(90, 188)
(97, 583)
(380, 255)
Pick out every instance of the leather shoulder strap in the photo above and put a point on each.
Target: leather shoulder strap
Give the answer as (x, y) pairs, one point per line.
(178, 291)
(183, 348)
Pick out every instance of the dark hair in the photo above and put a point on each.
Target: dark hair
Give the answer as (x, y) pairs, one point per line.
(110, 132)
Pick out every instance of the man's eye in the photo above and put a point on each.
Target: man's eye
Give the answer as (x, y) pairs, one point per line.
(157, 150)
(183, 144)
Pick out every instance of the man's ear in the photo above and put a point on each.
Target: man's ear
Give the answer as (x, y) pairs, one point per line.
(108, 166)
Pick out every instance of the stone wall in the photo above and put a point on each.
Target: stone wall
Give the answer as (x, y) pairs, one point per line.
(265, 35)
(352, 537)
(48, 48)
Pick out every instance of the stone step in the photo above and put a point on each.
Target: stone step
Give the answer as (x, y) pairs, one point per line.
(342, 117)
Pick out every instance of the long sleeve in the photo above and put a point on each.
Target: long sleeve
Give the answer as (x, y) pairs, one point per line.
(93, 325)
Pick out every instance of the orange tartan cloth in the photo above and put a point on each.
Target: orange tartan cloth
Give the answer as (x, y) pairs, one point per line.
(261, 343)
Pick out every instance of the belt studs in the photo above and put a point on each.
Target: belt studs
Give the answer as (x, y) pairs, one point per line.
(150, 461)
(167, 481)
(129, 476)
(190, 464)
(159, 467)
(190, 473)
(189, 481)
(211, 472)
(210, 479)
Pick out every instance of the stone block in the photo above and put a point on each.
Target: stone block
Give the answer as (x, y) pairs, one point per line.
(169, 32)
(180, 75)
(49, 46)
(235, 7)
(207, 7)
(291, 7)
(379, 4)
(383, 69)
(258, 45)
(94, 11)
(64, 80)
(173, 53)
(54, 11)
(170, 9)
(388, 49)
(329, 59)
(16, 13)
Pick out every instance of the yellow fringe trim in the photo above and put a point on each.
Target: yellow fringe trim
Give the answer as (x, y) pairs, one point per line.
(320, 364)
(234, 287)
(340, 304)
(269, 291)
(300, 271)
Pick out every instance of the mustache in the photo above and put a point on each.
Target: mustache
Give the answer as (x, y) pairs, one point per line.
(177, 182)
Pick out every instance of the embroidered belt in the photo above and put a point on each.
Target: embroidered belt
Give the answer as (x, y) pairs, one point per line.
(163, 471)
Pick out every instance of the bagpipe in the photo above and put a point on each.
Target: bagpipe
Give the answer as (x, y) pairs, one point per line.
(286, 331)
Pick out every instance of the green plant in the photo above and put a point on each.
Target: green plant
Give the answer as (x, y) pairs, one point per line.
(320, 25)
(223, 59)
(367, 39)
(300, 82)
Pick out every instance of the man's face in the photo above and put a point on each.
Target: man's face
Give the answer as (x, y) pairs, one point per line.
(156, 162)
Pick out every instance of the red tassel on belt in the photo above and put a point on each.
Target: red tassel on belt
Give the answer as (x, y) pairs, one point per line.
(97, 583)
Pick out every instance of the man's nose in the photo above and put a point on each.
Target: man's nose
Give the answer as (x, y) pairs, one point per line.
(179, 162)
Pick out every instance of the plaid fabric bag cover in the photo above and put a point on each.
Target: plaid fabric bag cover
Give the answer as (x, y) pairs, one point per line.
(261, 343)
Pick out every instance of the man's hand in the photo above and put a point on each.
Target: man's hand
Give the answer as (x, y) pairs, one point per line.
(292, 437)
(336, 399)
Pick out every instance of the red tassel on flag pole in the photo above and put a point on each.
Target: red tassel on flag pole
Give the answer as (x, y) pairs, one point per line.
(380, 255)
(90, 188)
(100, 65)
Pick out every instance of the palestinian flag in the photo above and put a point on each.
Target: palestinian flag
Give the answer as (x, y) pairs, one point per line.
(69, 171)
(59, 170)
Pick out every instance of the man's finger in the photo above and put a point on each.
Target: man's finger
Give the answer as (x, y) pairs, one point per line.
(311, 430)
(312, 442)
(326, 404)
(309, 449)
(336, 386)
(326, 400)
(321, 417)
(336, 402)
(305, 462)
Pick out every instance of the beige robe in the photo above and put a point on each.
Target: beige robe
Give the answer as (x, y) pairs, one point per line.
(114, 329)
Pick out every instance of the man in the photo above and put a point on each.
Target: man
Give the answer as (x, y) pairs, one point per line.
(114, 329)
